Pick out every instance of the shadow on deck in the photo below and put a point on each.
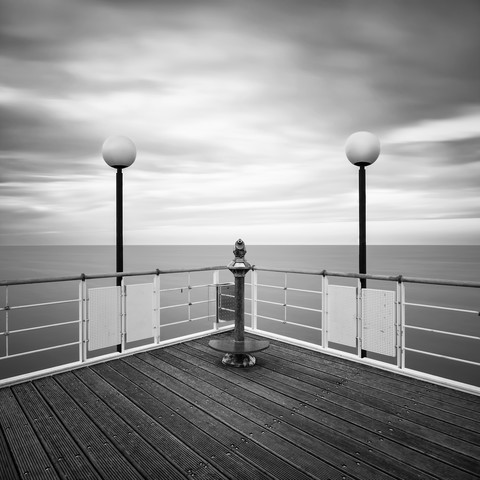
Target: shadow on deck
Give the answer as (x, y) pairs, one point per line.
(177, 412)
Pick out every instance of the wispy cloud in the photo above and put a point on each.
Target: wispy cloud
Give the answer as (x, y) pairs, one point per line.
(239, 111)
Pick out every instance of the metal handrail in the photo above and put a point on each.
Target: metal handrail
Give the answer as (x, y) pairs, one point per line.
(400, 323)
(83, 276)
(400, 281)
(389, 278)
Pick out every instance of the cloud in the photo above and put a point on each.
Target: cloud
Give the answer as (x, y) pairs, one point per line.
(460, 127)
(239, 111)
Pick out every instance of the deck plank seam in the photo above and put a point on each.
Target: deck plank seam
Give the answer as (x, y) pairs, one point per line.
(54, 458)
(358, 445)
(422, 462)
(391, 377)
(401, 405)
(11, 463)
(418, 406)
(153, 419)
(242, 433)
(68, 430)
(423, 384)
(231, 452)
(265, 377)
(101, 466)
(385, 427)
(123, 422)
(229, 426)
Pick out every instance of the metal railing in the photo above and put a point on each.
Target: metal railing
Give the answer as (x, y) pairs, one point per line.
(403, 328)
(163, 316)
(302, 307)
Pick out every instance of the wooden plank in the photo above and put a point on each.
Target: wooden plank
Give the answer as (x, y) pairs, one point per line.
(393, 391)
(445, 447)
(387, 436)
(433, 395)
(161, 440)
(64, 453)
(383, 436)
(236, 430)
(268, 430)
(27, 450)
(8, 468)
(100, 449)
(130, 444)
(288, 416)
(207, 438)
(384, 402)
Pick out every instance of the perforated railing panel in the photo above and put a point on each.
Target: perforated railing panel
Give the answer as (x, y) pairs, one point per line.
(378, 313)
(139, 311)
(342, 315)
(103, 317)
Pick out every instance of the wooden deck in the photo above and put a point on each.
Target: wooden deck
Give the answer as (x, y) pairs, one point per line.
(177, 412)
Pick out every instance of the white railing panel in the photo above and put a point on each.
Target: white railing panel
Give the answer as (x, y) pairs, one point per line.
(140, 311)
(342, 315)
(104, 317)
(378, 325)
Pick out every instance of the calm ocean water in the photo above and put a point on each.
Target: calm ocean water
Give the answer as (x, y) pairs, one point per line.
(443, 262)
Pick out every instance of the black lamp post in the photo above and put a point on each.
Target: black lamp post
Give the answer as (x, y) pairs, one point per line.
(362, 149)
(119, 153)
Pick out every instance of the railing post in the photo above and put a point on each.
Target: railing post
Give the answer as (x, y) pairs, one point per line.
(156, 293)
(189, 297)
(254, 279)
(215, 282)
(82, 327)
(324, 310)
(361, 352)
(401, 323)
(7, 308)
(123, 316)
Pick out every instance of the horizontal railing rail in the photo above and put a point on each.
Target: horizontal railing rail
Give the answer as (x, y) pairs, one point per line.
(278, 322)
(389, 278)
(96, 276)
(173, 317)
(307, 313)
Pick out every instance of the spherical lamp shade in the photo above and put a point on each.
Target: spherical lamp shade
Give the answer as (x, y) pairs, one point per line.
(119, 152)
(362, 148)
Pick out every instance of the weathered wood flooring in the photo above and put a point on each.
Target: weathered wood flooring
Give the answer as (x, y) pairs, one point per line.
(177, 412)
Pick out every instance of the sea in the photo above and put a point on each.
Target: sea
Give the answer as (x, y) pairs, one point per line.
(446, 262)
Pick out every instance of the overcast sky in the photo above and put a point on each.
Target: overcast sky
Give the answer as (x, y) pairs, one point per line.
(240, 111)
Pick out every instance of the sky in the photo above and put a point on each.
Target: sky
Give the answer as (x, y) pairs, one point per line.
(239, 110)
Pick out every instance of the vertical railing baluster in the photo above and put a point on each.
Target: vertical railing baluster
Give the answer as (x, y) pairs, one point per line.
(7, 308)
(156, 293)
(189, 298)
(285, 298)
(254, 280)
(80, 321)
(123, 315)
(324, 311)
(360, 351)
(402, 324)
(84, 295)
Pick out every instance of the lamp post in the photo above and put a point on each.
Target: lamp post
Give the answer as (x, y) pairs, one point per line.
(119, 153)
(362, 149)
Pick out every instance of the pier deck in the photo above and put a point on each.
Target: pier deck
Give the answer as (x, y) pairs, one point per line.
(177, 412)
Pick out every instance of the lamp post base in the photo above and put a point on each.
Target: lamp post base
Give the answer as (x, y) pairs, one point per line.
(239, 360)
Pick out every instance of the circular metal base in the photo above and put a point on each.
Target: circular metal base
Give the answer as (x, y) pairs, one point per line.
(239, 360)
(229, 345)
